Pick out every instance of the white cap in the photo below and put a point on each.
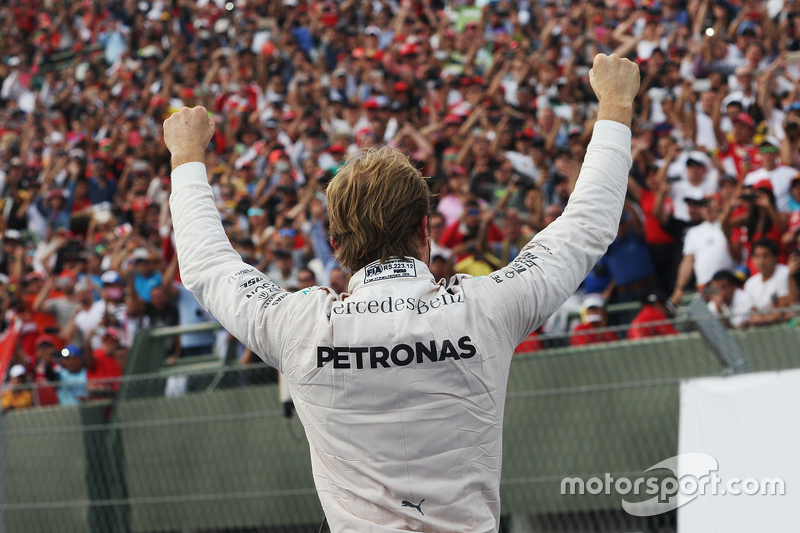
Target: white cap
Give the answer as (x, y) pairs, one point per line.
(772, 140)
(102, 216)
(700, 157)
(593, 300)
(17, 371)
(141, 253)
(56, 137)
(111, 276)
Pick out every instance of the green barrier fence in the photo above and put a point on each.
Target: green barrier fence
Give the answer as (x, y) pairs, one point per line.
(218, 454)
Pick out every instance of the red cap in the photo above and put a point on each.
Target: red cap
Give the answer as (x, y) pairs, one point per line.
(358, 53)
(275, 155)
(526, 133)
(626, 3)
(289, 115)
(114, 333)
(330, 19)
(268, 48)
(763, 184)
(745, 119)
(451, 118)
(68, 274)
(34, 275)
(139, 205)
(44, 339)
(370, 103)
(400, 87)
(336, 148)
(457, 170)
(408, 49)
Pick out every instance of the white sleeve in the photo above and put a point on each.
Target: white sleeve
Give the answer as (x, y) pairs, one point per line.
(251, 307)
(782, 275)
(741, 306)
(752, 177)
(550, 268)
(689, 243)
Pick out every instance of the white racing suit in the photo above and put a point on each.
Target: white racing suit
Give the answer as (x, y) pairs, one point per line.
(401, 383)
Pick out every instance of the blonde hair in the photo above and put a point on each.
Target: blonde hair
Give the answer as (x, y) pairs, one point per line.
(376, 202)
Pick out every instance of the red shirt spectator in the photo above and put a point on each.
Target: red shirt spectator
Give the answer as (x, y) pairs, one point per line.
(584, 334)
(594, 318)
(745, 155)
(103, 366)
(649, 323)
(530, 344)
(654, 233)
(460, 234)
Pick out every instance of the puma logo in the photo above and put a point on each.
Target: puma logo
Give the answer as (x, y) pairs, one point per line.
(407, 503)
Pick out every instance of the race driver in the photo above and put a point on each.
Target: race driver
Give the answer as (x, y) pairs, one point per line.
(400, 384)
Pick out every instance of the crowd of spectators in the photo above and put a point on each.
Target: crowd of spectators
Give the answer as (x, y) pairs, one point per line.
(490, 99)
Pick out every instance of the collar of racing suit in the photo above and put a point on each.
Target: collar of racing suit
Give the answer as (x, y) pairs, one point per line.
(393, 270)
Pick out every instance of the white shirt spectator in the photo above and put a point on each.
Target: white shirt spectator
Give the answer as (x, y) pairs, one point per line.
(709, 246)
(740, 96)
(781, 179)
(764, 293)
(705, 137)
(86, 321)
(523, 164)
(680, 190)
(738, 311)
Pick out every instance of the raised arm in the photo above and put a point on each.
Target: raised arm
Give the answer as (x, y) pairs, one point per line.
(552, 266)
(243, 299)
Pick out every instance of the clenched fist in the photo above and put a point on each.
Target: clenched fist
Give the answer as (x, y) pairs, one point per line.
(615, 81)
(187, 134)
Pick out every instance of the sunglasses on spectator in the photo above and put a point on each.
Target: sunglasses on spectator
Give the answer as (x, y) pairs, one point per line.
(287, 232)
(474, 212)
(255, 212)
(768, 150)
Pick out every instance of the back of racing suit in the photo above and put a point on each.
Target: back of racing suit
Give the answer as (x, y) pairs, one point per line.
(401, 383)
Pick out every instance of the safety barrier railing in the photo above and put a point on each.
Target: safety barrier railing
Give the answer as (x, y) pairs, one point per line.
(211, 449)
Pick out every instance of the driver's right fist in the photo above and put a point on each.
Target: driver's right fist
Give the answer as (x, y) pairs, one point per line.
(615, 80)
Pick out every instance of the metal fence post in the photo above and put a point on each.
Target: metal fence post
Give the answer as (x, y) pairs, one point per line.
(105, 471)
(718, 339)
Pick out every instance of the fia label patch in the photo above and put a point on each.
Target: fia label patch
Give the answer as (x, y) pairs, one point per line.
(394, 268)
